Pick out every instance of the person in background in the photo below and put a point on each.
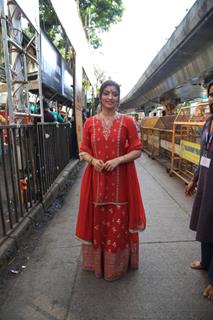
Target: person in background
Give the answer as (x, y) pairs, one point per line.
(2, 120)
(111, 210)
(84, 115)
(48, 117)
(57, 116)
(202, 211)
(138, 124)
(34, 108)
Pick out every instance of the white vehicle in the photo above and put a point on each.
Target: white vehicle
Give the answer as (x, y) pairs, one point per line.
(140, 114)
(158, 112)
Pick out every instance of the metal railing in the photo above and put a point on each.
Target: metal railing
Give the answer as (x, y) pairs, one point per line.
(31, 157)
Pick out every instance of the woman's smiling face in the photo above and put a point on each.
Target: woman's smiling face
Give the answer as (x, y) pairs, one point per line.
(109, 98)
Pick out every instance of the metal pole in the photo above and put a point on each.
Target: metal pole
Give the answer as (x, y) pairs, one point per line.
(20, 91)
(7, 64)
(38, 55)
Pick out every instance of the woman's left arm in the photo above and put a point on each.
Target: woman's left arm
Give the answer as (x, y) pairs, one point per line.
(132, 155)
(112, 164)
(134, 149)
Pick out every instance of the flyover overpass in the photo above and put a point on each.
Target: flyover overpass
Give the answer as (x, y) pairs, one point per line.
(182, 68)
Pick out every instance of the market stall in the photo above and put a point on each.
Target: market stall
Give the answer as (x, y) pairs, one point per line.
(156, 135)
(186, 135)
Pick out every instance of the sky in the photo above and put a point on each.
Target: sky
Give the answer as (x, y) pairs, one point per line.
(130, 46)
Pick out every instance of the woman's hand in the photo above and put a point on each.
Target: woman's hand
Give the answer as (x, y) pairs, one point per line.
(190, 188)
(97, 164)
(110, 165)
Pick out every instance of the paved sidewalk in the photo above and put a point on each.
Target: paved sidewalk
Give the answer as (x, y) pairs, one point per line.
(53, 286)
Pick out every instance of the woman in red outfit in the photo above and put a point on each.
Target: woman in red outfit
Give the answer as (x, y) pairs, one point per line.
(111, 211)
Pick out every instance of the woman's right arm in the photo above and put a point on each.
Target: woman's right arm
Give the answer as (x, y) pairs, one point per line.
(86, 147)
(96, 163)
(86, 156)
(190, 188)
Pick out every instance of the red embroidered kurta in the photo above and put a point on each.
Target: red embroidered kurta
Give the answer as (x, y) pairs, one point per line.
(111, 209)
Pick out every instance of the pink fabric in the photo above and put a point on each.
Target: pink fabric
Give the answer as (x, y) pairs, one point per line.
(110, 266)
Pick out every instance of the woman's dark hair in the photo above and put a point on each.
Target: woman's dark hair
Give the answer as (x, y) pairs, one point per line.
(209, 86)
(109, 83)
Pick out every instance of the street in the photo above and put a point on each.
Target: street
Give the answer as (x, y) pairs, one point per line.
(52, 285)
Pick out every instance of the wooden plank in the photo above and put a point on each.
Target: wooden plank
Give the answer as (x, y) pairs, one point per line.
(32, 85)
(3, 87)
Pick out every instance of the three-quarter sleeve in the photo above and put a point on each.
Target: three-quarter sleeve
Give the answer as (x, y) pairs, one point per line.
(86, 140)
(133, 140)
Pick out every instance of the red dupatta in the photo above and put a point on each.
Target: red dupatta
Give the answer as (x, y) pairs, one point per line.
(92, 132)
(137, 218)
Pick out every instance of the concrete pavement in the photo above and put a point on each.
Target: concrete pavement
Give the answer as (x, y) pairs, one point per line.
(53, 286)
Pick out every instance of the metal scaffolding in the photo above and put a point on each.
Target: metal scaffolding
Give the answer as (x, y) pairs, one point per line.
(17, 57)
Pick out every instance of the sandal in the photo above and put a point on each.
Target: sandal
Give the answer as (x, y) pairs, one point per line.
(197, 265)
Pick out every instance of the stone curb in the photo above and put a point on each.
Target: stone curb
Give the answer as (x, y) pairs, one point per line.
(10, 246)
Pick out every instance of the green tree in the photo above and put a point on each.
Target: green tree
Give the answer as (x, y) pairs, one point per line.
(52, 27)
(100, 75)
(98, 16)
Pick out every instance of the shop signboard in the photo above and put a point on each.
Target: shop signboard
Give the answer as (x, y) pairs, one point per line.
(168, 146)
(190, 151)
(51, 70)
(67, 81)
(73, 27)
